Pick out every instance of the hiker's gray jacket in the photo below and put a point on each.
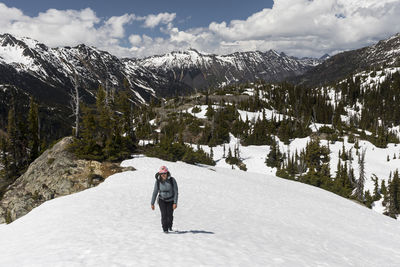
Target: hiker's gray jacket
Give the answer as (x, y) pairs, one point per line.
(166, 191)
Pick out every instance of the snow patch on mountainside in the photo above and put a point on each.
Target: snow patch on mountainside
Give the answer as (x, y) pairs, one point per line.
(180, 59)
(15, 55)
(376, 161)
(159, 75)
(30, 42)
(372, 79)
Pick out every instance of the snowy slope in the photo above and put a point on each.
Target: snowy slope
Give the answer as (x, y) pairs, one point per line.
(375, 158)
(254, 156)
(384, 53)
(224, 218)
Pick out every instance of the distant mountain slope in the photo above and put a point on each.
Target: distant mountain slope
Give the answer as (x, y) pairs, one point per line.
(384, 53)
(48, 73)
(200, 71)
(224, 218)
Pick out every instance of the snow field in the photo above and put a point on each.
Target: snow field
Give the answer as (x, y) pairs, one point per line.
(375, 159)
(224, 218)
(254, 156)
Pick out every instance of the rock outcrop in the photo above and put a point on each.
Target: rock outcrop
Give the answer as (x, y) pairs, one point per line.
(57, 172)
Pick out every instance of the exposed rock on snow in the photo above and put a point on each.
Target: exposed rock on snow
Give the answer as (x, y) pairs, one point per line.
(55, 173)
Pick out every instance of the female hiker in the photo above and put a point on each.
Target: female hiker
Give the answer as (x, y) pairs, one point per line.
(167, 190)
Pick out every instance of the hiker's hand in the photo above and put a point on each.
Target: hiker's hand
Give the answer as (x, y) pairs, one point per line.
(152, 207)
(174, 206)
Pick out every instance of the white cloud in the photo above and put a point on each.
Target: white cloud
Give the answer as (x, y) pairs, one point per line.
(114, 26)
(152, 21)
(9, 15)
(135, 39)
(71, 27)
(53, 27)
(314, 27)
(296, 27)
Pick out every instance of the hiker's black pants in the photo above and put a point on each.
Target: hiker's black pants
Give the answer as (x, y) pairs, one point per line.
(167, 213)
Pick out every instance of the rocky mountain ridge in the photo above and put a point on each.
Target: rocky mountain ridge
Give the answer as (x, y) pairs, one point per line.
(49, 73)
(201, 70)
(385, 53)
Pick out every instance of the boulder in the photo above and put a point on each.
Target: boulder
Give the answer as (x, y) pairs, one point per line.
(57, 172)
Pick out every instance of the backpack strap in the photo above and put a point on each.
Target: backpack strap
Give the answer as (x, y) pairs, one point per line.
(157, 176)
(172, 184)
(170, 181)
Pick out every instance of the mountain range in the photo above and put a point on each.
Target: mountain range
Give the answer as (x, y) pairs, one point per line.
(48, 73)
(29, 68)
(385, 53)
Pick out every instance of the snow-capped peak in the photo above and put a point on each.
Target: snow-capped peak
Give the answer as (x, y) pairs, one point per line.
(147, 77)
(18, 52)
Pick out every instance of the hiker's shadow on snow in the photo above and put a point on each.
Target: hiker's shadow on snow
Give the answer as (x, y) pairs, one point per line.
(194, 232)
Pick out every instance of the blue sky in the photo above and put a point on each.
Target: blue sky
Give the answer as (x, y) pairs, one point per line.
(143, 28)
(189, 14)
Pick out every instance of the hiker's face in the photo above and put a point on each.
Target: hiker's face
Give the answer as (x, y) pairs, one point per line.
(164, 176)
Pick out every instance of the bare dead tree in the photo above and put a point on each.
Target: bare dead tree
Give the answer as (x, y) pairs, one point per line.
(75, 104)
(238, 146)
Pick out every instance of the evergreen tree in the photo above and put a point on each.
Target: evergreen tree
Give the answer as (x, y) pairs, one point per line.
(291, 166)
(368, 199)
(87, 146)
(13, 142)
(357, 145)
(274, 158)
(33, 126)
(4, 157)
(316, 155)
(383, 188)
(343, 155)
(124, 105)
(105, 124)
(210, 112)
(377, 195)
(393, 205)
(361, 179)
(22, 141)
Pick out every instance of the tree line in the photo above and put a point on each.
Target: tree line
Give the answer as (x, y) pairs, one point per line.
(22, 142)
